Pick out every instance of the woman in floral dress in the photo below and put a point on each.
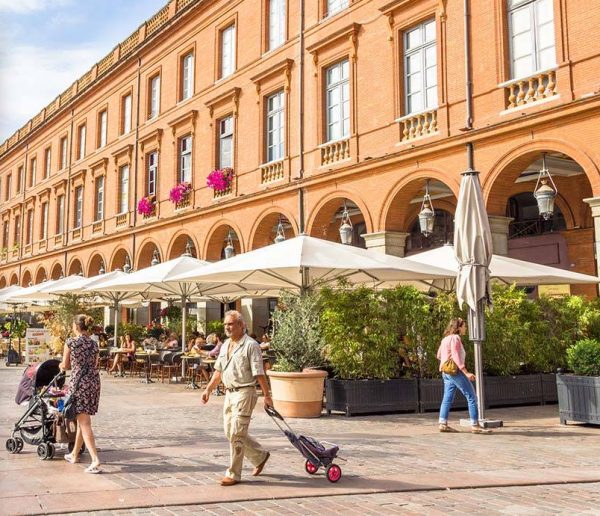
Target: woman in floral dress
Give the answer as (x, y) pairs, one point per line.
(81, 354)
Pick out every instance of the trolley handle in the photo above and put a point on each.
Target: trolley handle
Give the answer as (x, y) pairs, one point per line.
(273, 413)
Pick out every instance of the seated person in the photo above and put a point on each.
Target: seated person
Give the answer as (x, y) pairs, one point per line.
(216, 339)
(128, 345)
(198, 345)
(150, 343)
(265, 342)
(172, 341)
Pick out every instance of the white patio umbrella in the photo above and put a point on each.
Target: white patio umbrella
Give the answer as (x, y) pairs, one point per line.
(473, 250)
(508, 270)
(303, 261)
(41, 292)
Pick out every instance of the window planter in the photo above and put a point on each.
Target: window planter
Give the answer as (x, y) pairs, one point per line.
(578, 398)
(371, 396)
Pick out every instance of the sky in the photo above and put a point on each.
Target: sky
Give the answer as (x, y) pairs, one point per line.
(45, 45)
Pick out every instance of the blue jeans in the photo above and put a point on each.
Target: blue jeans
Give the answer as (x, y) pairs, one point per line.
(460, 382)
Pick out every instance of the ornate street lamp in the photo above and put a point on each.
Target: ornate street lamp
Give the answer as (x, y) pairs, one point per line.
(229, 249)
(101, 270)
(545, 194)
(155, 258)
(427, 213)
(127, 266)
(346, 227)
(280, 234)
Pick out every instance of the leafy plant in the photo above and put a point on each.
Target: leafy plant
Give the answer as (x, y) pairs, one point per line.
(147, 205)
(584, 357)
(220, 179)
(297, 338)
(136, 331)
(215, 327)
(180, 191)
(16, 328)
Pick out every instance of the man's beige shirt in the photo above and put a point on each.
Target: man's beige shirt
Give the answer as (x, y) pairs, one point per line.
(244, 365)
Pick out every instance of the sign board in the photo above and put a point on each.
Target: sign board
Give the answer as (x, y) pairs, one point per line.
(554, 290)
(37, 345)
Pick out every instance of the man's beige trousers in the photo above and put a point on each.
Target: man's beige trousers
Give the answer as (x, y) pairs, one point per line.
(237, 411)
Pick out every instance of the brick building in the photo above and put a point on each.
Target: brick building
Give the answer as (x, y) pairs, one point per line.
(316, 106)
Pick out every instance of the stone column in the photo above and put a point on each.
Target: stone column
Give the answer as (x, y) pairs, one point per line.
(256, 313)
(387, 242)
(594, 203)
(499, 227)
(207, 311)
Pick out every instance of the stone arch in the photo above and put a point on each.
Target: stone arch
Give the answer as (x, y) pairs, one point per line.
(14, 279)
(178, 243)
(146, 250)
(56, 271)
(398, 213)
(40, 275)
(118, 259)
(2, 282)
(216, 237)
(26, 278)
(96, 262)
(75, 267)
(262, 233)
(322, 222)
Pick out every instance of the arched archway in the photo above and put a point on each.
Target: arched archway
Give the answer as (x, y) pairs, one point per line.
(327, 219)
(178, 245)
(95, 265)
(144, 258)
(219, 238)
(2, 282)
(75, 267)
(119, 259)
(267, 227)
(26, 278)
(14, 279)
(56, 272)
(40, 275)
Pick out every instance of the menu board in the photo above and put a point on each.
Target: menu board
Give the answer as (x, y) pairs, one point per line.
(37, 345)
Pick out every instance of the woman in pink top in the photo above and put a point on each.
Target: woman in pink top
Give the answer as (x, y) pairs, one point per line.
(452, 346)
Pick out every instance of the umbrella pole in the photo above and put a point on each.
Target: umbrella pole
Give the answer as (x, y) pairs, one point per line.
(116, 336)
(479, 381)
(183, 333)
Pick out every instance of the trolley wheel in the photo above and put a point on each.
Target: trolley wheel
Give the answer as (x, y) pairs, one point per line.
(45, 451)
(334, 473)
(11, 445)
(19, 444)
(310, 468)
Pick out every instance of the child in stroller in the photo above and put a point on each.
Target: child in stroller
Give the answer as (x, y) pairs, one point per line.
(42, 424)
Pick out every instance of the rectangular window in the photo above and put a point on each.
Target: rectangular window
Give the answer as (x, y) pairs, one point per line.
(47, 162)
(335, 6)
(44, 224)
(124, 189)
(29, 233)
(338, 101)
(8, 186)
(152, 173)
(420, 68)
(275, 126)
(5, 231)
(20, 177)
(81, 141)
(63, 153)
(227, 51)
(277, 23)
(126, 114)
(33, 171)
(154, 108)
(532, 47)
(102, 128)
(226, 142)
(187, 76)
(99, 201)
(17, 235)
(185, 159)
(60, 214)
(78, 212)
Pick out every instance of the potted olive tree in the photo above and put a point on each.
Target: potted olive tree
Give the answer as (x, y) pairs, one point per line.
(296, 385)
(579, 393)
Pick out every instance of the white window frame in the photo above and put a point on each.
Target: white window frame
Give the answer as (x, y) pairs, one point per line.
(44, 225)
(78, 222)
(8, 186)
(64, 149)
(33, 171)
(126, 107)
(275, 126)
(187, 76)
(17, 234)
(419, 53)
(20, 178)
(184, 172)
(60, 214)
(531, 6)
(123, 189)
(103, 128)
(154, 96)
(152, 173)
(228, 49)
(337, 115)
(5, 233)
(47, 162)
(81, 135)
(277, 23)
(335, 6)
(99, 201)
(226, 129)
(29, 234)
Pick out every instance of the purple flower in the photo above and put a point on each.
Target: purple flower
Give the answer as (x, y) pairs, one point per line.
(146, 205)
(179, 192)
(220, 179)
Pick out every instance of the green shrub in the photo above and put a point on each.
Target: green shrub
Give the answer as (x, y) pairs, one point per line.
(138, 332)
(584, 357)
(215, 327)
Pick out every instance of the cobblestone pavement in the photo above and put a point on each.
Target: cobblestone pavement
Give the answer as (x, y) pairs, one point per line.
(162, 447)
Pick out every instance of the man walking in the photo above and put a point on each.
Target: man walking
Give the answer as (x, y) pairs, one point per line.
(239, 366)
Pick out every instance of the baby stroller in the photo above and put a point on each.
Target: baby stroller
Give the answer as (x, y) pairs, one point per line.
(42, 424)
(313, 451)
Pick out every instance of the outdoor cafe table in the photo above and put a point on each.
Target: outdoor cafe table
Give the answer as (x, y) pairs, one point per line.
(186, 358)
(145, 355)
(118, 351)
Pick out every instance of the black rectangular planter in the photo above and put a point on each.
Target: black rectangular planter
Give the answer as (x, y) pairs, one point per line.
(549, 391)
(431, 392)
(501, 391)
(371, 396)
(578, 398)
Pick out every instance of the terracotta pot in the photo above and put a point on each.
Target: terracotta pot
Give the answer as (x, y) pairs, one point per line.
(298, 394)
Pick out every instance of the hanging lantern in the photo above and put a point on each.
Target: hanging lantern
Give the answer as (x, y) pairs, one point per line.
(101, 270)
(155, 258)
(346, 227)
(427, 213)
(188, 249)
(127, 266)
(280, 234)
(544, 193)
(229, 249)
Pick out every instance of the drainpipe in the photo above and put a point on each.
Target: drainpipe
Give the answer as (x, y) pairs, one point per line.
(136, 158)
(301, 120)
(65, 230)
(468, 78)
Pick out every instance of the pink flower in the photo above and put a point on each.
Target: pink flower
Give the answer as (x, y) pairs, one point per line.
(220, 179)
(146, 205)
(179, 192)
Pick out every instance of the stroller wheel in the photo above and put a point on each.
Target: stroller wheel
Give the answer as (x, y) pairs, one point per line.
(45, 451)
(310, 468)
(11, 445)
(19, 444)
(334, 473)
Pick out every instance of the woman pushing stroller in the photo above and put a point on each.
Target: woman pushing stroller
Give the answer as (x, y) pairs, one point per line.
(81, 355)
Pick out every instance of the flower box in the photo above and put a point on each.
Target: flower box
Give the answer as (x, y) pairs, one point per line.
(180, 193)
(220, 180)
(147, 206)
